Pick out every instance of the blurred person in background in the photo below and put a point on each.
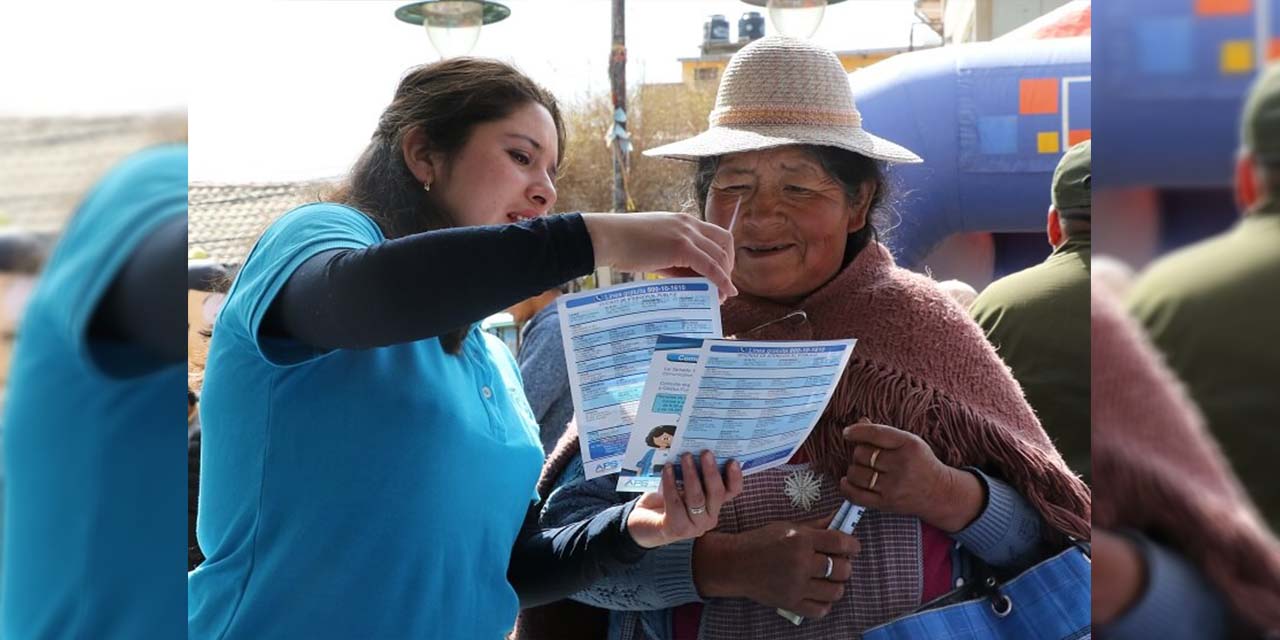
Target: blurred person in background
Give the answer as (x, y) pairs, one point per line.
(960, 291)
(1213, 310)
(542, 365)
(1037, 318)
(1113, 273)
(1179, 551)
(93, 455)
(212, 278)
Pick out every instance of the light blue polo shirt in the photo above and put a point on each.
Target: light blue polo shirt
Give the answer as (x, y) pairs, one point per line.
(370, 493)
(95, 495)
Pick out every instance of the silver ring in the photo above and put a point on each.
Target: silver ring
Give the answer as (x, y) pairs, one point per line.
(697, 511)
(831, 565)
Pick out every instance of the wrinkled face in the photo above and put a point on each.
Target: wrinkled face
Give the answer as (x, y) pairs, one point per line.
(504, 173)
(792, 225)
(663, 441)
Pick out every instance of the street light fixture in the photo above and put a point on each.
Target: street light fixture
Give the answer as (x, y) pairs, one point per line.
(453, 26)
(795, 18)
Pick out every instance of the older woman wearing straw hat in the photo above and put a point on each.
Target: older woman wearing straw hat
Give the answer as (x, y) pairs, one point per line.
(927, 429)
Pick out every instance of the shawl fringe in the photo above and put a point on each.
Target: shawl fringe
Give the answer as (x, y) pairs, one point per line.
(959, 437)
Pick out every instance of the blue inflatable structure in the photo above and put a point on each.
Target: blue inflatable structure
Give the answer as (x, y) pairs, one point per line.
(991, 121)
(1173, 74)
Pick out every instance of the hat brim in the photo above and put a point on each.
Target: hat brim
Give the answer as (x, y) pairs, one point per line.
(722, 140)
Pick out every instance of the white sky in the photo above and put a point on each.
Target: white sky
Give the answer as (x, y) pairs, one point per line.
(75, 56)
(291, 89)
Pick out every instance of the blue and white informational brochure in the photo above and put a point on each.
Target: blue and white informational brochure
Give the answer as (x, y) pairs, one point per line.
(609, 336)
(756, 402)
(669, 381)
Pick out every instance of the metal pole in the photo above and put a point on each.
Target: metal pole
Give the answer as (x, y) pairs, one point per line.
(618, 124)
(618, 85)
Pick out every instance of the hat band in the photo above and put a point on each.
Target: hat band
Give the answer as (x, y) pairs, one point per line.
(783, 115)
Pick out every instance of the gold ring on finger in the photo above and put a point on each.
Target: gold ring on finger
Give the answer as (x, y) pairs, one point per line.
(874, 454)
(875, 475)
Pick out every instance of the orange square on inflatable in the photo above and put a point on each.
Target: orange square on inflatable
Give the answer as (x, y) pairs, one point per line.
(1223, 7)
(1273, 49)
(1076, 136)
(1038, 96)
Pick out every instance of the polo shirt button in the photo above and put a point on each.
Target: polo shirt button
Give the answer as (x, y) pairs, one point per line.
(487, 392)
(959, 582)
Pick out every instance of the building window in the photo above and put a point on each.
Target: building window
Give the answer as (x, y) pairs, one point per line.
(707, 74)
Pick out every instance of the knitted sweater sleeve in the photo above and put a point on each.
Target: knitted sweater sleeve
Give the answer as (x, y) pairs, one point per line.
(1007, 532)
(662, 579)
(1178, 602)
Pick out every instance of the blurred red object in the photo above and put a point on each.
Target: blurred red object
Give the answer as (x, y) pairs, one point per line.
(1068, 21)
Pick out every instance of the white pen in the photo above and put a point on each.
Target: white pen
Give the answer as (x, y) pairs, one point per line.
(838, 521)
(734, 218)
(851, 517)
(846, 518)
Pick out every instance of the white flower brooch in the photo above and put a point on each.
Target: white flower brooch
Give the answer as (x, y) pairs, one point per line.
(804, 488)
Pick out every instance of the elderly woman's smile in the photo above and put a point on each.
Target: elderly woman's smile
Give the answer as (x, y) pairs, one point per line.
(792, 223)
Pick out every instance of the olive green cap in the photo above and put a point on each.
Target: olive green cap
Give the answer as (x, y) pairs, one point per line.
(1260, 122)
(1072, 178)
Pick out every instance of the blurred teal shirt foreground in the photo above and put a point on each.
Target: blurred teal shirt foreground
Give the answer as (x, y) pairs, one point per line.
(95, 493)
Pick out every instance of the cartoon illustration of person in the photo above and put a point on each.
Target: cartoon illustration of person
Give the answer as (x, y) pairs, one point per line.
(659, 437)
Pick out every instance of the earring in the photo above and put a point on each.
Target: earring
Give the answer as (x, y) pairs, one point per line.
(426, 186)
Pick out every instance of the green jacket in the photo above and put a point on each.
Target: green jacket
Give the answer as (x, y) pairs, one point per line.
(1213, 310)
(1038, 321)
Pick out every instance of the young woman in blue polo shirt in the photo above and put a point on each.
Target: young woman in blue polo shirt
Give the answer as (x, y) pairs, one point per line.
(369, 458)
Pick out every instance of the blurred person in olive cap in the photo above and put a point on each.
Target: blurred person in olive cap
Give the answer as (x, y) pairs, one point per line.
(1038, 318)
(1212, 308)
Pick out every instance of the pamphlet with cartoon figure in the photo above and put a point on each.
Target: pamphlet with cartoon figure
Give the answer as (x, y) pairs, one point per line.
(666, 387)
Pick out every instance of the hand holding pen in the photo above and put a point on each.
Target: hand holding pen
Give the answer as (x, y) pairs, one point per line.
(845, 519)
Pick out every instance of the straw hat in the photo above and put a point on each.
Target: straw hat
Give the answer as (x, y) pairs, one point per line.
(779, 91)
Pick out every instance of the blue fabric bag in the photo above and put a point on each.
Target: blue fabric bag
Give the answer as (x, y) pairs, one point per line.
(1049, 601)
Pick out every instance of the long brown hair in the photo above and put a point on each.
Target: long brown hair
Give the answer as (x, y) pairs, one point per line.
(446, 100)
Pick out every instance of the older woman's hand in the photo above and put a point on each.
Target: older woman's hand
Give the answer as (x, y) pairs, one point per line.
(667, 516)
(895, 471)
(798, 566)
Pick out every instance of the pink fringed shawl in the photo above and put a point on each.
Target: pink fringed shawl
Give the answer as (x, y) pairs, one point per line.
(1158, 471)
(921, 365)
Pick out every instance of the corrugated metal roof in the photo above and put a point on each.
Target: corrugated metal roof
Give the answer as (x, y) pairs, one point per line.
(48, 164)
(225, 219)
